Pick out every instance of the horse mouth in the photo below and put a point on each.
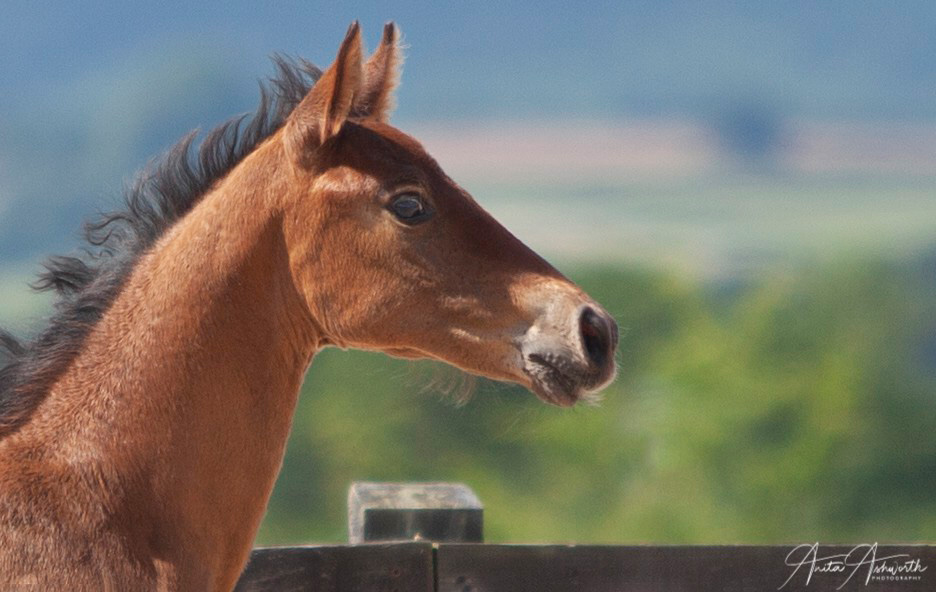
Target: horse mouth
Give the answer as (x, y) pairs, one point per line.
(557, 380)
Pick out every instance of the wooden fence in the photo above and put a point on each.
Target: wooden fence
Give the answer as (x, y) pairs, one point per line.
(425, 566)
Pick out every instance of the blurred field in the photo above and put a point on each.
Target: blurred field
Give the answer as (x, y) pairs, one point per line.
(709, 200)
(720, 225)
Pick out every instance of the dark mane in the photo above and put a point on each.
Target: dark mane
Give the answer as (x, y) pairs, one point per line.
(159, 196)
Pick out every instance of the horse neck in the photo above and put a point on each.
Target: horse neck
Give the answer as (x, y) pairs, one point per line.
(184, 393)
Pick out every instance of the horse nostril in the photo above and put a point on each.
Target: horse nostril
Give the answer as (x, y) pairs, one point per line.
(598, 336)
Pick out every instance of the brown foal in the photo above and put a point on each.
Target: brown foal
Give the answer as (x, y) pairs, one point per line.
(142, 432)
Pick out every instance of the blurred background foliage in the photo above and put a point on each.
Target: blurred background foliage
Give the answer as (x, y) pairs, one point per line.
(795, 408)
(749, 188)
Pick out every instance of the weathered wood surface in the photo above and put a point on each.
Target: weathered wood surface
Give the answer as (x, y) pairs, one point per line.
(423, 567)
(436, 512)
(403, 567)
(550, 568)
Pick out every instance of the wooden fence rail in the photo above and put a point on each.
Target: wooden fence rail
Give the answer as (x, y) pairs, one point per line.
(447, 567)
(426, 566)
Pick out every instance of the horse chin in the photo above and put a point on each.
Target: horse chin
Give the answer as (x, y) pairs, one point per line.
(560, 382)
(555, 394)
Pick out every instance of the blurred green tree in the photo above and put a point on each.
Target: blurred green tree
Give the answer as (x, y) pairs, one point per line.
(797, 408)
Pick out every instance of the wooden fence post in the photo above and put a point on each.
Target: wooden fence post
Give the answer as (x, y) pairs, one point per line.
(434, 512)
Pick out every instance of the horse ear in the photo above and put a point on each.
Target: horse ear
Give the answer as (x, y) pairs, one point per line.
(325, 108)
(381, 75)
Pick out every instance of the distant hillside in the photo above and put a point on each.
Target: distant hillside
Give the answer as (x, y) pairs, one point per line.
(89, 92)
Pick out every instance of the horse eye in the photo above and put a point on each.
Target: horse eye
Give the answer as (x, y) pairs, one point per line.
(409, 208)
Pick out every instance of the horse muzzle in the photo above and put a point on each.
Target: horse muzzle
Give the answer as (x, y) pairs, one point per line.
(569, 357)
